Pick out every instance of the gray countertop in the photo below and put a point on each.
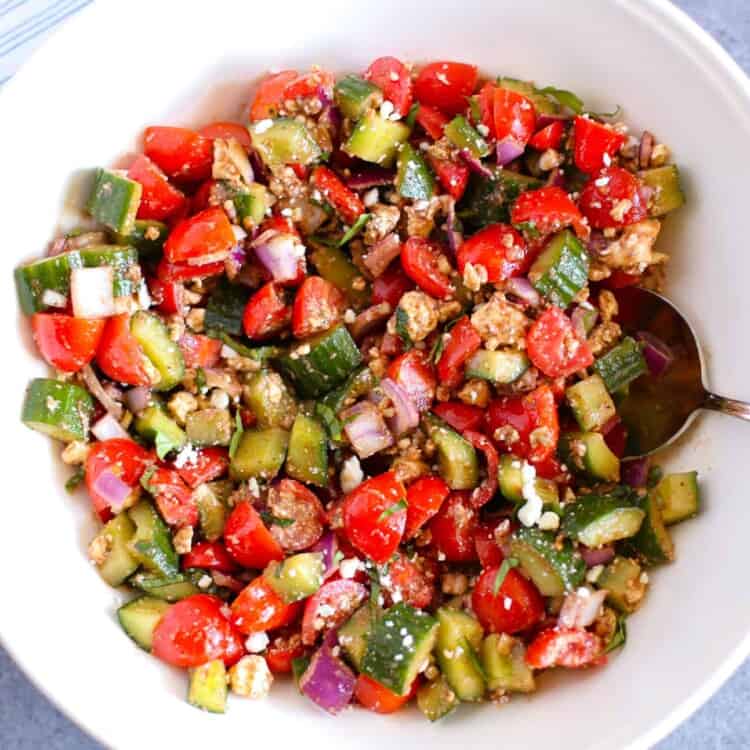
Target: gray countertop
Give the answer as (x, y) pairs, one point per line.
(28, 720)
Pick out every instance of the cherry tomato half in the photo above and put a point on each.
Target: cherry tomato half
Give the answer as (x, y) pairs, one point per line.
(159, 199)
(453, 528)
(446, 85)
(247, 539)
(181, 153)
(258, 608)
(65, 342)
(318, 306)
(554, 345)
(507, 606)
(424, 498)
(392, 77)
(499, 248)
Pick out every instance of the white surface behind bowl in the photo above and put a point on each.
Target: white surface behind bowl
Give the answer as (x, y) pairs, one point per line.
(83, 100)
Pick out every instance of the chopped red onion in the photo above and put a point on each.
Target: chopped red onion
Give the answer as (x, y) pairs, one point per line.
(474, 164)
(583, 320)
(281, 254)
(656, 352)
(91, 292)
(581, 607)
(453, 237)
(328, 545)
(366, 430)
(382, 253)
(138, 398)
(370, 319)
(226, 581)
(645, 149)
(259, 168)
(597, 243)
(327, 681)
(545, 119)
(56, 247)
(323, 95)
(370, 177)
(107, 428)
(112, 489)
(330, 117)
(522, 288)
(508, 150)
(635, 472)
(98, 392)
(406, 415)
(599, 556)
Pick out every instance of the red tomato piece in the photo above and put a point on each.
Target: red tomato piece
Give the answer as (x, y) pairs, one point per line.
(516, 606)
(347, 203)
(391, 345)
(171, 272)
(375, 516)
(464, 341)
(266, 313)
(200, 351)
(458, 415)
(564, 647)
(227, 130)
(194, 631)
(282, 650)
(247, 539)
(453, 177)
(486, 101)
(424, 498)
(415, 374)
(173, 498)
(613, 199)
(554, 346)
(180, 152)
(391, 285)
(594, 140)
(201, 198)
(209, 556)
(550, 467)
(549, 210)
(488, 550)
(121, 456)
(270, 95)
(119, 354)
(499, 248)
(419, 258)
(310, 84)
(204, 238)
(513, 116)
(432, 120)
(258, 608)
(378, 698)
(453, 528)
(168, 296)
(159, 199)
(485, 492)
(210, 463)
(446, 85)
(392, 77)
(412, 581)
(331, 606)
(290, 499)
(318, 306)
(549, 136)
(65, 342)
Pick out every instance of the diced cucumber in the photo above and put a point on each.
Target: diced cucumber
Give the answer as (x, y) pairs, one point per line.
(588, 452)
(334, 265)
(624, 583)
(260, 454)
(504, 663)
(208, 687)
(398, 646)
(33, 279)
(251, 203)
(413, 177)
(591, 403)
(678, 496)
(543, 104)
(376, 139)
(209, 427)
(154, 424)
(359, 383)
(596, 520)
(459, 634)
(502, 366)
(621, 365)
(457, 458)
(61, 410)
(284, 141)
(171, 588)
(327, 360)
(118, 563)
(225, 307)
(510, 481)
(212, 513)
(653, 542)
(307, 458)
(353, 635)
(554, 568)
(270, 399)
(562, 270)
(165, 354)
(436, 699)
(354, 96)
(139, 617)
(147, 238)
(666, 182)
(114, 200)
(152, 544)
(296, 577)
(461, 134)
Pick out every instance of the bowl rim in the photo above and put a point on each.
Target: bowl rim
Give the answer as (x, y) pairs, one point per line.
(672, 21)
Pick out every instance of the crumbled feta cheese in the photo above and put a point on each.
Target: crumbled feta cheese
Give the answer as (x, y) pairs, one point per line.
(592, 576)
(371, 197)
(607, 159)
(227, 352)
(644, 577)
(483, 129)
(350, 316)
(253, 487)
(286, 212)
(204, 581)
(326, 610)
(349, 567)
(187, 456)
(250, 677)
(531, 511)
(443, 79)
(386, 109)
(394, 76)
(256, 642)
(507, 603)
(408, 640)
(351, 475)
(549, 521)
(263, 125)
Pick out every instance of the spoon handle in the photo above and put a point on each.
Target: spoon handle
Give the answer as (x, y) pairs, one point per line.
(727, 406)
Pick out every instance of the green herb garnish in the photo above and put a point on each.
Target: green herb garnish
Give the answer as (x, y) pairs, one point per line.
(565, 98)
(146, 479)
(269, 519)
(411, 116)
(395, 508)
(200, 380)
(529, 229)
(75, 479)
(402, 328)
(236, 435)
(354, 230)
(619, 637)
(437, 348)
(505, 568)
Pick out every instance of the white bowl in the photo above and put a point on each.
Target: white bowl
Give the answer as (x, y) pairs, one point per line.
(84, 99)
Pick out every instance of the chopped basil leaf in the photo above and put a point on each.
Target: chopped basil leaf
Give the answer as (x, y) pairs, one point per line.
(566, 98)
(529, 229)
(269, 519)
(507, 564)
(236, 435)
(260, 353)
(402, 328)
(75, 479)
(619, 637)
(395, 508)
(354, 230)
(411, 116)
(437, 348)
(164, 445)
(607, 115)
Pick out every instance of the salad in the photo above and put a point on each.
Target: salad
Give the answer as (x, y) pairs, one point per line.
(341, 380)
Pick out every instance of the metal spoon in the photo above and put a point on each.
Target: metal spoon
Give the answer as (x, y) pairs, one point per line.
(657, 410)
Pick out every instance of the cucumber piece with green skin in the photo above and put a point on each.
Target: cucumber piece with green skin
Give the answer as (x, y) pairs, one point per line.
(118, 563)
(296, 577)
(504, 663)
(457, 458)
(354, 96)
(260, 454)
(165, 354)
(624, 583)
(251, 204)
(172, 588)
(114, 200)
(562, 270)
(413, 177)
(208, 687)
(668, 194)
(209, 427)
(225, 307)
(596, 520)
(353, 635)
(212, 512)
(139, 617)
(154, 423)
(588, 452)
(53, 274)
(322, 362)
(510, 481)
(307, 457)
(543, 104)
(590, 402)
(359, 383)
(461, 134)
(502, 366)
(376, 139)
(678, 496)
(148, 237)
(399, 644)
(334, 265)
(653, 542)
(283, 141)
(554, 569)
(436, 699)
(61, 410)
(621, 365)
(270, 399)
(152, 543)
(458, 634)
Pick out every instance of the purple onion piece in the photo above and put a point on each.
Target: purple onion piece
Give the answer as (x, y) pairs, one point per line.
(259, 168)
(596, 243)
(583, 320)
(365, 429)
(107, 428)
(600, 556)
(328, 545)
(331, 117)
(453, 237)
(635, 472)
(112, 489)
(645, 149)
(370, 177)
(474, 164)
(327, 681)
(138, 398)
(281, 254)
(508, 150)
(522, 288)
(545, 119)
(656, 352)
(323, 95)
(97, 390)
(406, 415)
(382, 253)
(580, 608)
